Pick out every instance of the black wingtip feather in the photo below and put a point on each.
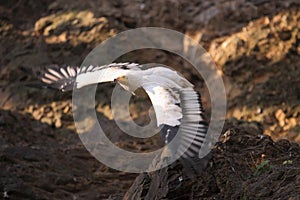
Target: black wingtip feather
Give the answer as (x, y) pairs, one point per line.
(52, 77)
(36, 85)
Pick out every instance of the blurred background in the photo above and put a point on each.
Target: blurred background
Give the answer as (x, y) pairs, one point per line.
(254, 43)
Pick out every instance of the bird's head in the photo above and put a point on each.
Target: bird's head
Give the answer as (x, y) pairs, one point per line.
(123, 81)
(130, 86)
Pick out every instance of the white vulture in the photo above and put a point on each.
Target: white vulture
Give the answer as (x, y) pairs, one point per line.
(175, 102)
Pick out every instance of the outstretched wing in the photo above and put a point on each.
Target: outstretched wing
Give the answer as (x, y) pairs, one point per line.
(193, 127)
(64, 78)
(179, 111)
(177, 108)
(163, 87)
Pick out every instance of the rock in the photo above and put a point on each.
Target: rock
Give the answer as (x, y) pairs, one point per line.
(83, 24)
(292, 122)
(243, 152)
(280, 116)
(66, 109)
(37, 114)
(46, 120)
(50, 114)
(57, 123)
(297, 139)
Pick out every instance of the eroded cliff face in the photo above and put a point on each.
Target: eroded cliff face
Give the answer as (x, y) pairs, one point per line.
(255, 45)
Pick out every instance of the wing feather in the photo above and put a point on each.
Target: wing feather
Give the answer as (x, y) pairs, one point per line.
(165, 103)
(64, 78)
(177, 105)
(193, 126)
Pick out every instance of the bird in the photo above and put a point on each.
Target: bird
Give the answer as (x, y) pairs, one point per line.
(176, 103)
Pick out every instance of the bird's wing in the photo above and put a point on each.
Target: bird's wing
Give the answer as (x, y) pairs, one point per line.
(54, 76)
(178, 108)
(163, 87)
(193, 127)
(165, 102)
(65, 77)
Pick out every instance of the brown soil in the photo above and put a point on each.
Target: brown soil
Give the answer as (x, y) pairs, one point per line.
(255, 44)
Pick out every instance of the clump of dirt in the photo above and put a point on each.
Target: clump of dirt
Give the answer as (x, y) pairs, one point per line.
(76, 27)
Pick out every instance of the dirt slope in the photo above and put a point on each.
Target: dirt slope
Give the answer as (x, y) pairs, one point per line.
(255, 44)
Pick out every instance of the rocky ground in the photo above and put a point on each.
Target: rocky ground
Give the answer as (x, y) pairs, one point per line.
(255, 44)
(263, 169)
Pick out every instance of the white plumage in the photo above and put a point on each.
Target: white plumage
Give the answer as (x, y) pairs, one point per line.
(176, 104)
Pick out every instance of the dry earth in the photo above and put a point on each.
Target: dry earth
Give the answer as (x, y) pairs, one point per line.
(255, 44)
